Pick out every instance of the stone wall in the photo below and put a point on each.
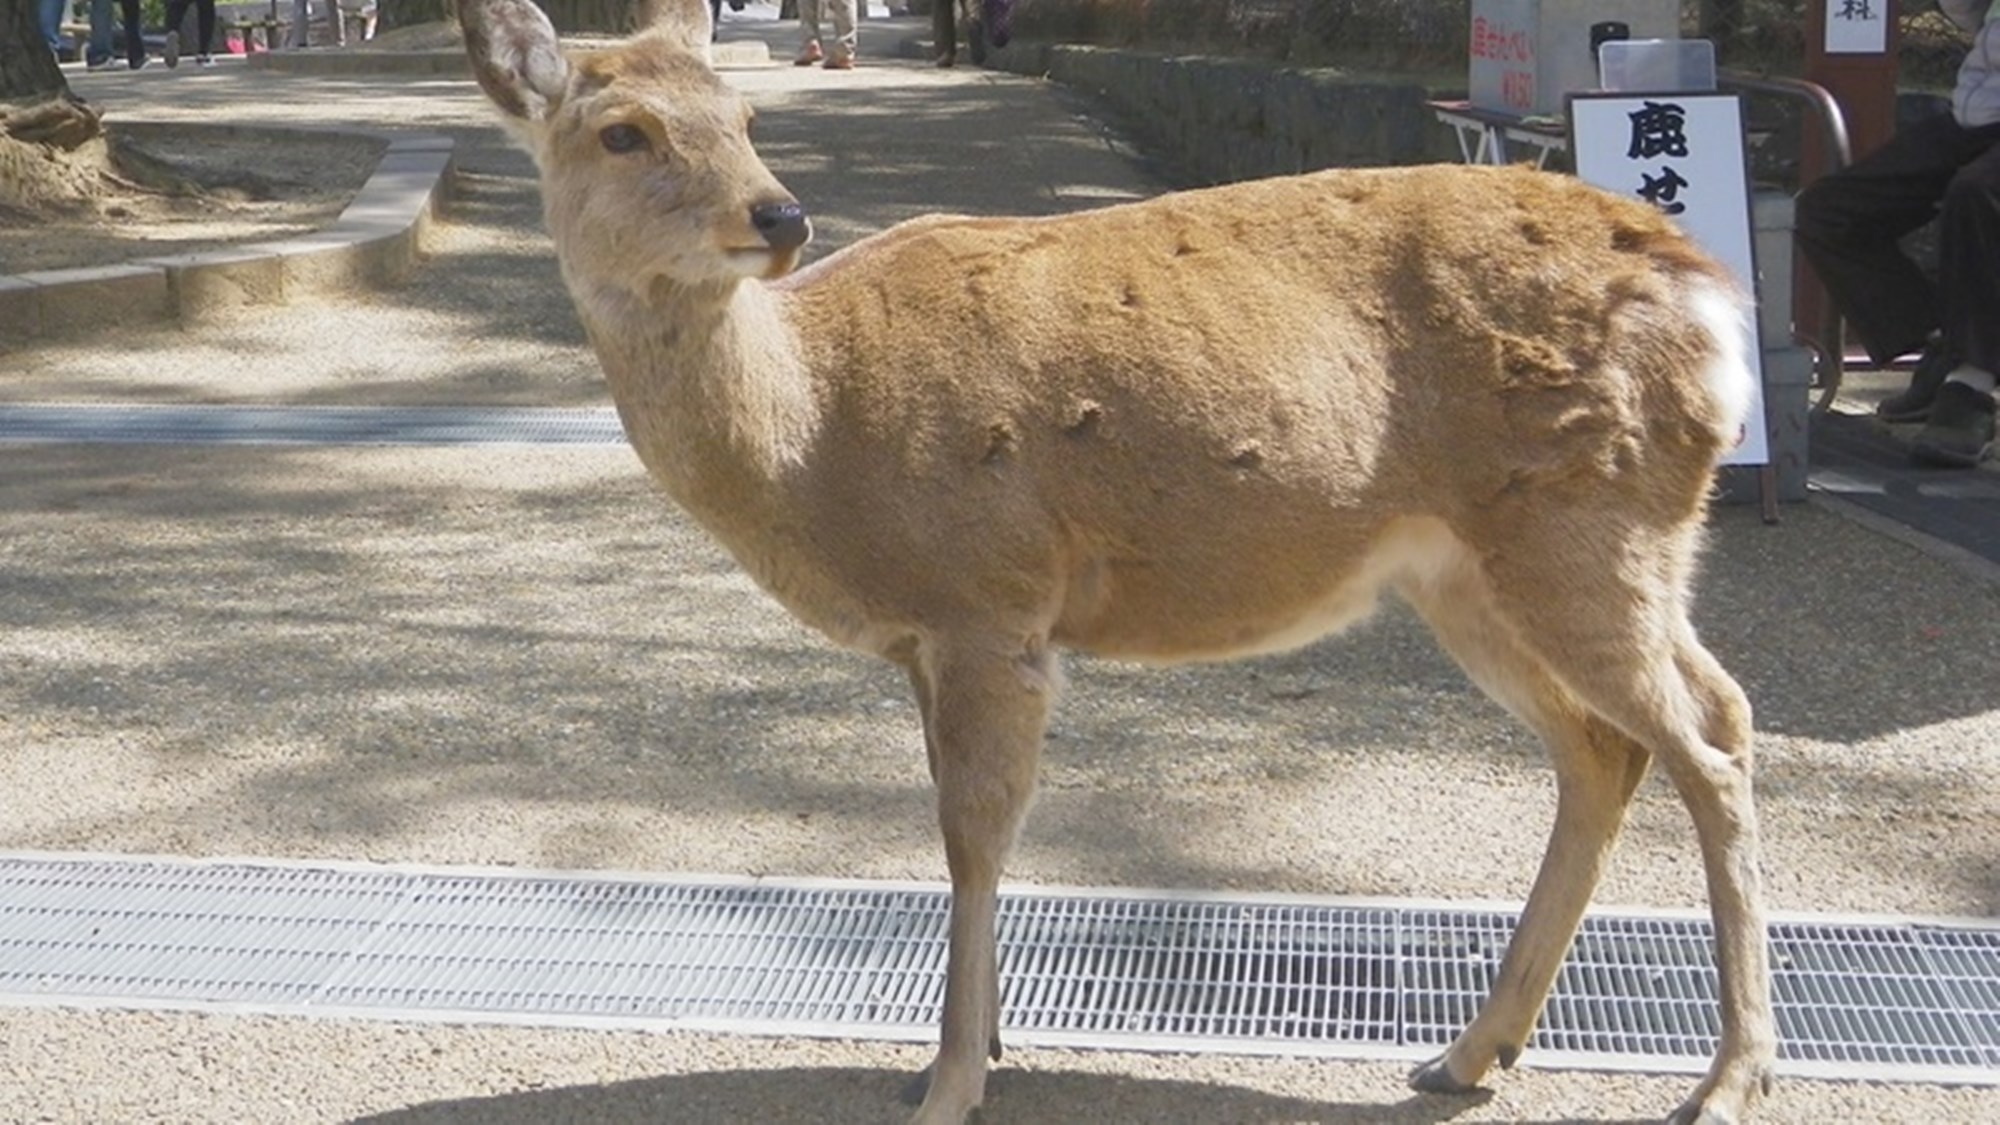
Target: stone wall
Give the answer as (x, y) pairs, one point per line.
(1221, 120)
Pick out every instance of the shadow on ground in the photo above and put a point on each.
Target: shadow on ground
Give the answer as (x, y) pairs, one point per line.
(827, 1094)
(348, 645)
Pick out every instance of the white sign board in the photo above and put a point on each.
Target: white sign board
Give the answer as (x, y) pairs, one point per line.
(1857, 27)
(1683, 153)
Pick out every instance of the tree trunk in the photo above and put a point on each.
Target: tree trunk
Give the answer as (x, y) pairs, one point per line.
(35, 103)
(28, 71)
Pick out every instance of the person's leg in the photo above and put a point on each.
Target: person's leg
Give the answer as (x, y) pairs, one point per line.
(1848, 224)
(998, 16)
(297, 35)
(1969, 257)
(176, 15)
(841, 53)
(135, 37)
(944, 31)
(1960, 429)
(51, 17)
(99, 52)
(204, 22)
(810, 51)
(337, 19)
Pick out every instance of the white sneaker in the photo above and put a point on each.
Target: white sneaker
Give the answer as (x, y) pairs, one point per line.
(172, 51)
(98, 64)
(203, 60)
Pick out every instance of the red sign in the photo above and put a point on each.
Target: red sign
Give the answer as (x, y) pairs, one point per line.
(1501, 42)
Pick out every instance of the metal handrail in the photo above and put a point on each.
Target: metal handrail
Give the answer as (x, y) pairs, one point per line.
(1830, 359)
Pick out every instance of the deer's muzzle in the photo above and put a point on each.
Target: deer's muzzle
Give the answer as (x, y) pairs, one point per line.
(783, 225)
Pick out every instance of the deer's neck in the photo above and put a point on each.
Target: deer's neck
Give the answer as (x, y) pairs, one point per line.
(713, 394)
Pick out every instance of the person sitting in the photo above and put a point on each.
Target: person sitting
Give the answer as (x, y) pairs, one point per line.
(1848, 225)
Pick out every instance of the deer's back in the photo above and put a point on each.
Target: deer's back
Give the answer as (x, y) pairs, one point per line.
(1294, 369)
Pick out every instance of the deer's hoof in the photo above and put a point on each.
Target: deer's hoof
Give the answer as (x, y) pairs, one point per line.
(1726, 1100)
(1434, 1077)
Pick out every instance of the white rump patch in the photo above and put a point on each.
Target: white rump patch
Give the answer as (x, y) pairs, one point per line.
(1718, 309)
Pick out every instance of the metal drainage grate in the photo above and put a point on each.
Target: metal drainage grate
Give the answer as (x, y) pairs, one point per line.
(1878, 998)
(43, 423)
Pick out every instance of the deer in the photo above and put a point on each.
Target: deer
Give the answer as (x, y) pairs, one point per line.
(1196, 427)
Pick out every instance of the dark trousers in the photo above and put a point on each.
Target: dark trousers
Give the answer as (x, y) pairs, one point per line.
(1848, 225)
(100, 32)
(944, 28)
(204, 20)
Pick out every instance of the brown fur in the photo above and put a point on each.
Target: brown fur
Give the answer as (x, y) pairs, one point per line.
(1200, 426)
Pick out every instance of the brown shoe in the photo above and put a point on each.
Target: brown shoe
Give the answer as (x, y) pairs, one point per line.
(808, 55)
(844, 62)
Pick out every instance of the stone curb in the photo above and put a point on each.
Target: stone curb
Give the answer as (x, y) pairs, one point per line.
(375, 241)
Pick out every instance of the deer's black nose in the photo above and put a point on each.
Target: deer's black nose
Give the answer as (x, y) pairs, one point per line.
(783, 225)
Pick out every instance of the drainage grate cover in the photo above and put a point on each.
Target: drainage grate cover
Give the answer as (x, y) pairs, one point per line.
(1887, 999)
(308, 425)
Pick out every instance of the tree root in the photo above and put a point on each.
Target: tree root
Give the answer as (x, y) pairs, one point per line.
(62, 123)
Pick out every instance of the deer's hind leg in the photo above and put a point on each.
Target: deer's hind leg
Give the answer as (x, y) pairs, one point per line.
(1597, 769)
(1605, 611)
(1713, 777)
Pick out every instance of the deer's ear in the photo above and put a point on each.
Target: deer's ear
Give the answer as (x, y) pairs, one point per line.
(514, 55)
(686, 23)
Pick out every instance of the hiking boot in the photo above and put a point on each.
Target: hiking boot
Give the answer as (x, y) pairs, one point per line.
(171, 52)
(1914, 403)
(1960, 431)
(808, 55)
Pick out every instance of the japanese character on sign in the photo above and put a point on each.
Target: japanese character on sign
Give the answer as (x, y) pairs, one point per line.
(1657, 128)
(1660, 190)
(1857, 27)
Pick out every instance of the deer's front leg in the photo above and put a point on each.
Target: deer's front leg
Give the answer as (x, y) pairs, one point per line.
(989, 708)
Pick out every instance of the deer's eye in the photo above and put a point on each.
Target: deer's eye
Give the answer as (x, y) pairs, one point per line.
(622, 138)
